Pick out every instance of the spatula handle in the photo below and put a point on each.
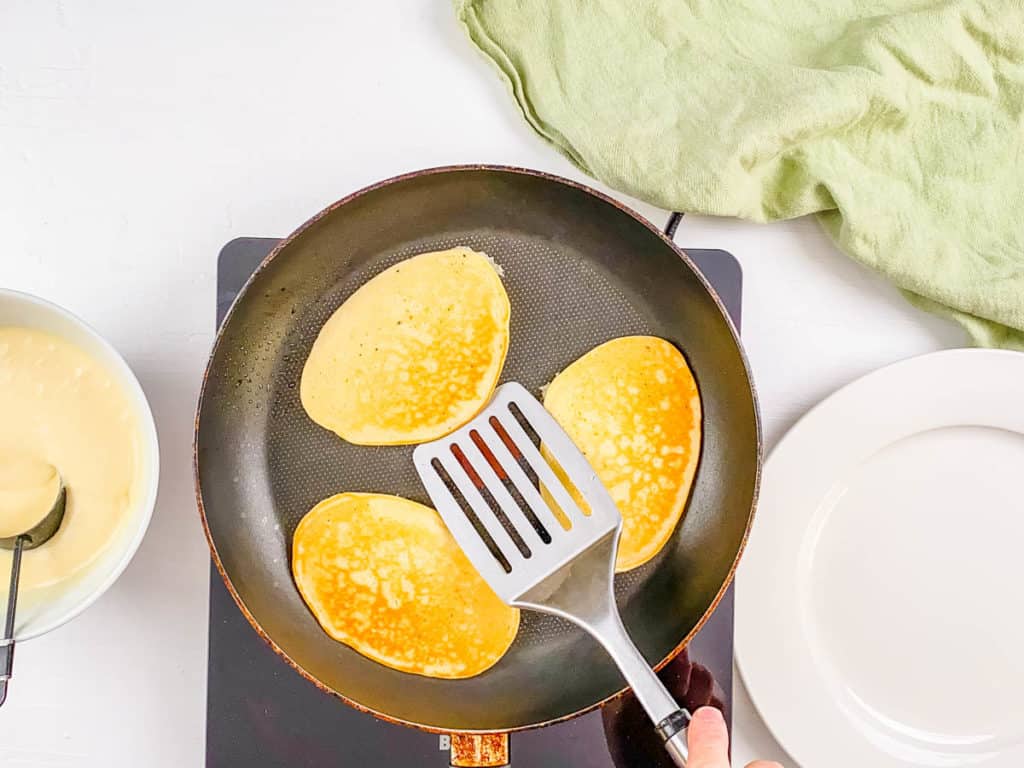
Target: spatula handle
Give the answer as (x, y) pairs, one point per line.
(673, 730)
(670, 720)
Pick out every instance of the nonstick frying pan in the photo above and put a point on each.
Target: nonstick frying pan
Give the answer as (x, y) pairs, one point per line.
(580, 269)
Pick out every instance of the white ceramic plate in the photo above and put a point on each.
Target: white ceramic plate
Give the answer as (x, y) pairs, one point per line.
(880, 604)
(66, 601)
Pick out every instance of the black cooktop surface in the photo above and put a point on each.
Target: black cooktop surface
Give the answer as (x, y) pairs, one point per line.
(262, 714)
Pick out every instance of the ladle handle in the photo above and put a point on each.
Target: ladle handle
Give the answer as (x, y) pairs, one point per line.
(7, 643)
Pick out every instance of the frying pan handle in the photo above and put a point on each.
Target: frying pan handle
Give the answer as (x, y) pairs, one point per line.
(672, 225)
(480, 750)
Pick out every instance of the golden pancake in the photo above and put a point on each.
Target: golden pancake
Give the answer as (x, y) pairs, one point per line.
(383, 575)
(413, 354)
(632, 407)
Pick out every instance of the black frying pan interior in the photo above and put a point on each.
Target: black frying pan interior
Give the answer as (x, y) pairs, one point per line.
(579, 270)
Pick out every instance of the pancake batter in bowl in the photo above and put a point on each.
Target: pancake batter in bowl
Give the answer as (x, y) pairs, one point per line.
(62, 411)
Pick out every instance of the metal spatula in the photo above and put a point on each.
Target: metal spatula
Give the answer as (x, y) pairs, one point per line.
(492, 487)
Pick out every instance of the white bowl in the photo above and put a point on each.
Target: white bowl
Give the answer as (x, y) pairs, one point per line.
(69, 599)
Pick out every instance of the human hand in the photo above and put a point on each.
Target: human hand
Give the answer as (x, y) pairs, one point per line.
(708, 740)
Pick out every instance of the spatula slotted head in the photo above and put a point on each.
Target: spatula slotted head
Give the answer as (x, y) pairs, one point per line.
(510, 509)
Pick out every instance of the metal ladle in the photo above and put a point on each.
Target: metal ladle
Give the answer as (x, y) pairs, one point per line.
(34, 537)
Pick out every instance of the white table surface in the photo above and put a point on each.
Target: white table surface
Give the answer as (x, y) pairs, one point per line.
(137, 138)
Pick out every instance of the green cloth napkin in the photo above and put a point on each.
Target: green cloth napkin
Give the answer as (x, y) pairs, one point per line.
(901, 124)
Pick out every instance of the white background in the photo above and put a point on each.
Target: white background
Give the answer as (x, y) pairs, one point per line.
(137, 138)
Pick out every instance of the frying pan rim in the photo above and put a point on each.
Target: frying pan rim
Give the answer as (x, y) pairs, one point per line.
(284, 243)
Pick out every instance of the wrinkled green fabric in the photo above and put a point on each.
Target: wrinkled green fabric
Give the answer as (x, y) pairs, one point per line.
(901, 124)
